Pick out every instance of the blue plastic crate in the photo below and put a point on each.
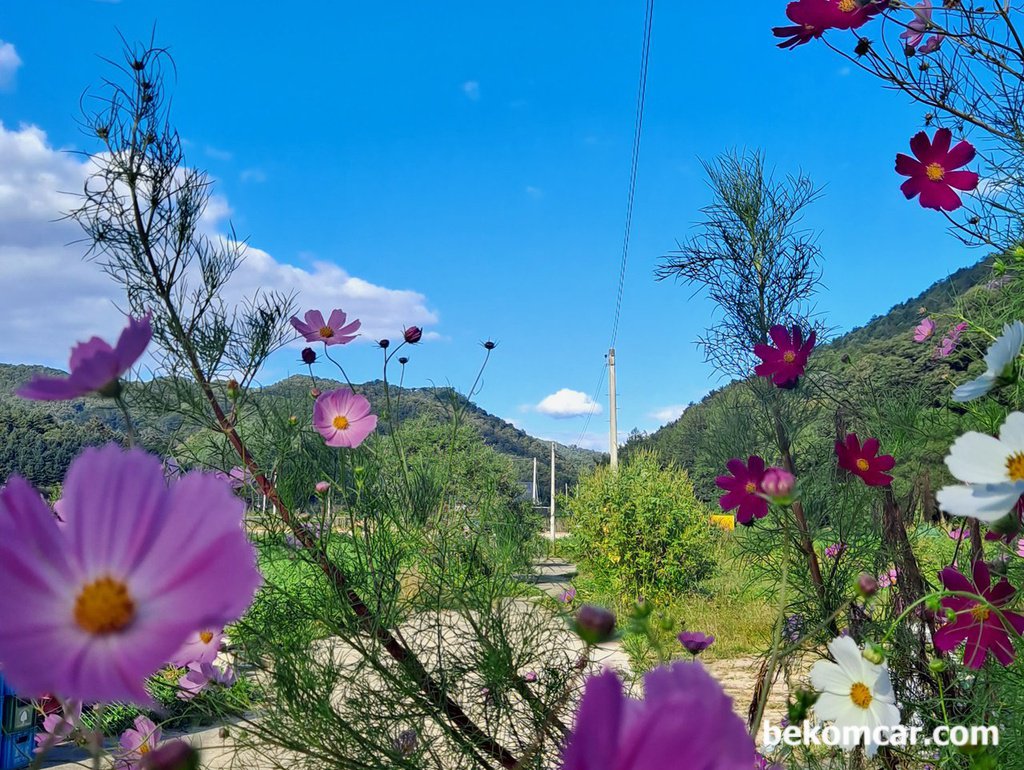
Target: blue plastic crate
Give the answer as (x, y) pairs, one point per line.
(16, 749)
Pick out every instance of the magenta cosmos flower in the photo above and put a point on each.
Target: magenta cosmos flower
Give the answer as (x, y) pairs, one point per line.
(743, 489)
(949, 342)
(784, 363)
(333, 331)
(864, 460)
(933, 171)
(917, 28)
(976, 623)
(813, 18)
(95, 367)
(343, 418)
(136, 742)
(684, 721)
(90, 609)
(695, 642)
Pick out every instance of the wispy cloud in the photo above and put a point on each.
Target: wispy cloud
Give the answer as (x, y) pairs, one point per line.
(567, 403)
(534, 192)
(9, 64)
(253, 175)
(217, 154)
(471, 88)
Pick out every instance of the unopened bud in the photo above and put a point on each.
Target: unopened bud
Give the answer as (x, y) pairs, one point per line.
(936, 665)
(233, 389)
(314, 392)
(779, 485)
(867, 585)
(384, 344)
(873, 653)
(403, 360)
(176, 755)
(490, 345)
(595, 624)
(293, 420)
(413, 334)
(322, 487)
(308, 356)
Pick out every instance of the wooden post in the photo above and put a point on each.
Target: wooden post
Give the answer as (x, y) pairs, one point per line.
(535, 496)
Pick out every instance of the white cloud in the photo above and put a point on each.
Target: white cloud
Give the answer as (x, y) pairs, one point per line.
(534, 192)
(471, 88)
(52, 298)
(218, 154)
(9, 63)
(667, 413)
(568, 403)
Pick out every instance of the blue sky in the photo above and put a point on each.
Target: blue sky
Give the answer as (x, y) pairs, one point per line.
(476, 155)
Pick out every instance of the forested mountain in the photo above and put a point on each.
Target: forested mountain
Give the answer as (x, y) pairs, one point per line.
(39, 439)
(873, 362)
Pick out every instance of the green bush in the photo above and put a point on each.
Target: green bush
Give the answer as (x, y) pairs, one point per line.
(643, 528)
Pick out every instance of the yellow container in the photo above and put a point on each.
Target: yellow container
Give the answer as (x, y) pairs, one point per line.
(725, 521)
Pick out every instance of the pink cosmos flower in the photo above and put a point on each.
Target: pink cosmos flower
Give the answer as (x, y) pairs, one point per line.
(343, 418)
(95, 367)
(202, 646)
(812, 18)
(888, 579)
(743, 489)
(90, 609)
(784, 363)
(58, 727)
(333, 331)
(933, 171)
(920, 24)
(959, 533)
(685, 720)
(949, 342)
(864, 461)
(835, 550)
(924, 330)
(200, 675)
(136, 742)
(976, 623)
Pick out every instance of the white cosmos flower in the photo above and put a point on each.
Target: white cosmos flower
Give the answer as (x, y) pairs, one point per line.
(998, 359)
(992, 469)
(855, 693)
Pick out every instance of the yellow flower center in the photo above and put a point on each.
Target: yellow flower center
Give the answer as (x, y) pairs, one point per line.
(751, 487)
(863, 464)
(104, 606)
(860, 695)
(789, 356)
(340, 422)
(847, 5)
(326, 332)
(980, 613)
(206, 636)
(1015, 467)
(935, 172)
(144, 748)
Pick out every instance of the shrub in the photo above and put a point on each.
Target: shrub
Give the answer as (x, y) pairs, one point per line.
(643, 527)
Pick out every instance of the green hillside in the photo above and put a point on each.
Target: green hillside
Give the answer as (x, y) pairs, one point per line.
(39, 439)
(874, 361)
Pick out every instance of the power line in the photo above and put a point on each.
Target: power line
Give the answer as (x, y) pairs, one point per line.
(641, 98)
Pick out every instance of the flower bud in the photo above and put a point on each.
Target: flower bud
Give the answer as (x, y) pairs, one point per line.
(403, 360)
(862, 47)
(175, 755)
(314, 392)
(595, 624)
(779, 485)
(322, 487)
(873, 653)
(293, 420)
(413, 334)
(384, 344)
(233, 389)
(932, 602)
(490, 345)
(867, 585)
(308, 356)
(936, 665)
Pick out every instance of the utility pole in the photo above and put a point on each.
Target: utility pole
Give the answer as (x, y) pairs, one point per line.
(535, 497)
(552, 491)
(613, 438)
